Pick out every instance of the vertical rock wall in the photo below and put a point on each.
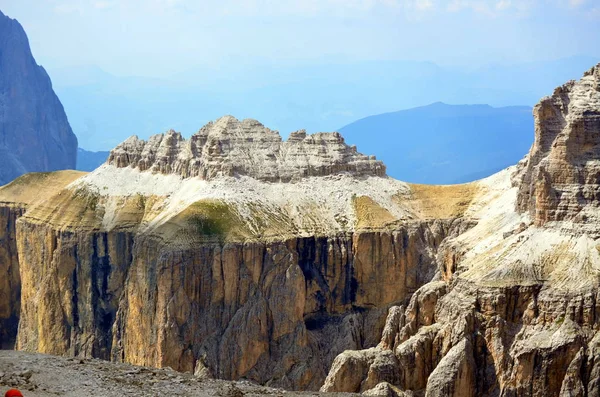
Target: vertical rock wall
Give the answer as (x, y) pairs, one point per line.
(276, 312)
(10, 281)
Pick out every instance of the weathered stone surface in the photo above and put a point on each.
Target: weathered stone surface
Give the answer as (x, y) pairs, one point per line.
(515, 310)
(16, 196)
(455, 373)
(134, 262)
(10, 281)
(34, 129)
(385, 389)
(229, 147)
(559, 181)
(126, 298)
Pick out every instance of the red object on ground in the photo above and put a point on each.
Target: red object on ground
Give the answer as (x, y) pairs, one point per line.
(13, 393)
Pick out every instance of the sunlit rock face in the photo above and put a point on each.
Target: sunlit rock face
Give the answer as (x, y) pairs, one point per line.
(264, 272)
(515, 309)
(231, 147)
(34, 131)
(560, 180)
(228, 261)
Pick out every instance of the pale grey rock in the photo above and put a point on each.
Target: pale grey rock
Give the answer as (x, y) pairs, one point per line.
(454, 375)
(40, 375)
(229, 147)
(559, 179)
(384, 389)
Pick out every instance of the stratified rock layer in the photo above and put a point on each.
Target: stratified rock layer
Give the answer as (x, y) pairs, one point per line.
(231, 147)
(153, 267)
(34, 131)
(560, 180)
(251, 269)
(16, 197)
(10, 281)
(516, 312)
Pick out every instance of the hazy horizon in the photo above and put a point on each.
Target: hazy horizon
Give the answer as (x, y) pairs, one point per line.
(135, 67)
(161, 38)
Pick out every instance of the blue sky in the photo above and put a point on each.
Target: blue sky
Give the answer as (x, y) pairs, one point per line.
(165, 37)
(124, 67)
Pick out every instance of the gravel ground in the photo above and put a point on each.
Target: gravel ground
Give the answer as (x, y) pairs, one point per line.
(39, 375)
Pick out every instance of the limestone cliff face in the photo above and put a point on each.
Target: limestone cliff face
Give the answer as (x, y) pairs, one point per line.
(217, 260)
(274, 312)
(515, 311)
(16, 196)
(559, 181)
(34, 131)
(231, 147)
(244, 276)
(10, 284)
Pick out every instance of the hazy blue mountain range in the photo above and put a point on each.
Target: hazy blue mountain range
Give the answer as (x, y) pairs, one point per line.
(443, 144)
(104, 109)
(89, 161)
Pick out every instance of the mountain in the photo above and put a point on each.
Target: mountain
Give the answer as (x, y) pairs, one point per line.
(444, 144)
(34, 131)
(89, 161)
(104, 109)
(514, 308)
(299, 263)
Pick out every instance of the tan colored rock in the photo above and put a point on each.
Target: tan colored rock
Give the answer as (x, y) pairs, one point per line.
(348, 371)
(10, 281)
(484, 296)
(384, 389)
(559, 180)
(17, 196)
(455, 373)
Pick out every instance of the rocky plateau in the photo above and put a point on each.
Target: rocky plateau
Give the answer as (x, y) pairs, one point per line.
(299, 264)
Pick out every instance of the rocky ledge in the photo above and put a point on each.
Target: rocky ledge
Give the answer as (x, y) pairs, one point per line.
(514, 310)
(560, 179)
(229, 147)
(201, 256)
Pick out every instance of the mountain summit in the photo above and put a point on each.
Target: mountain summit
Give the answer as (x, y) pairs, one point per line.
(229, 147)
(34, 131)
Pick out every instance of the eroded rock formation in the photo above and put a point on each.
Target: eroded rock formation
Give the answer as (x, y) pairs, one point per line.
(516, 311)
(231, 147)
(16, 197)
(34, 132)
(559, 181)
(237, 255)
(161, 269)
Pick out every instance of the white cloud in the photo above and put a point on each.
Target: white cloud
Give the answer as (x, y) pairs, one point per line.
(103, 4)
(503, 5)
(577, 3)
(493, 8)
(423, 5)
(68, 7)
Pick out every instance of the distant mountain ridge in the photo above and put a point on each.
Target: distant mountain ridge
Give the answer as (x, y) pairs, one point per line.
(89, 161)
(105, 109)
(445, 144)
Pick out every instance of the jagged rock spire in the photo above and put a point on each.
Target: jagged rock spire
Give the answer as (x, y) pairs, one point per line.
(560, 179)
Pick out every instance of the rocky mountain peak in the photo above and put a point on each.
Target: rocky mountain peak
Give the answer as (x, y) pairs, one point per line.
(34, 131)
(228, 147)
(560, 179)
